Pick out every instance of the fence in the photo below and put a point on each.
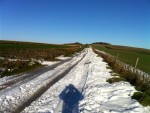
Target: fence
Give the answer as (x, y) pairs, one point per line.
(134, 75)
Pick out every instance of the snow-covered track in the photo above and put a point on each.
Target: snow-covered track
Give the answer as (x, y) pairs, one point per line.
(89, 78)
(42, 89)
(49, 101)
(19, 97)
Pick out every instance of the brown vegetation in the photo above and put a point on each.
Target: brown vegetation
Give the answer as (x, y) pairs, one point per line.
(46, 54)
(130, 74)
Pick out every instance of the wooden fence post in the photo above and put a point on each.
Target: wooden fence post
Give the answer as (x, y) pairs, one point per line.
(137, 60)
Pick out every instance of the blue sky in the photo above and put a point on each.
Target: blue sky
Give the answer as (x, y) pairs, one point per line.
(121, 22)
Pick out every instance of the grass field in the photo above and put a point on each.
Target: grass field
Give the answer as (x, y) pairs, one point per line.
(128, 55)
(30, 45)
(23, 53)
(12, 49)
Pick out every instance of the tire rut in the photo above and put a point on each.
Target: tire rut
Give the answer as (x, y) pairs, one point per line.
(16, 81)
(44, 88)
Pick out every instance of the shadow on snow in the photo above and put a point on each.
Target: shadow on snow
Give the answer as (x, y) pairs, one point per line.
(71, 97)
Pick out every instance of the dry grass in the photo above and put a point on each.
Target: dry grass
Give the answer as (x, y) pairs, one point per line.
(141, 83)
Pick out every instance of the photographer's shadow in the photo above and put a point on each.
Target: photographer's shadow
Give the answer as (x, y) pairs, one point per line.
(71, 97)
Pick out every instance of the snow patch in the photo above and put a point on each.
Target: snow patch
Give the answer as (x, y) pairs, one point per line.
(62, 57)
(49, 63)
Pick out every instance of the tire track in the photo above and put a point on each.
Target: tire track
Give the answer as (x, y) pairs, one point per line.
(31, 75)
(10, 102)
(44, 88)
(49, 101)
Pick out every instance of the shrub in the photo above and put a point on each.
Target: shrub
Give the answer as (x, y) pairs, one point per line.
(137, 96)
(143, 98)
(114, 79)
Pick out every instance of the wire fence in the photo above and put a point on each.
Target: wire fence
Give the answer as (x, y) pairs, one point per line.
(120, 66)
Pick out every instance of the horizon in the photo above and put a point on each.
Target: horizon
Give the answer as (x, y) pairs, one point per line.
(73, 43)
(125, 22)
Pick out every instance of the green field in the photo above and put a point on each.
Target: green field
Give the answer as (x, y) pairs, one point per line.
(29, 45)
(25, 50)
(128, 55)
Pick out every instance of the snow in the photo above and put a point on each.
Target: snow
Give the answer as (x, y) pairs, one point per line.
(6, 78)
(99, 96)
(88, 77)
(62, 57)
(48, 62)
(49, 101)
(22, 93)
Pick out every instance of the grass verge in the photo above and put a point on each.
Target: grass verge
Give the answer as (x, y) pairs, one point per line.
(142, 85)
